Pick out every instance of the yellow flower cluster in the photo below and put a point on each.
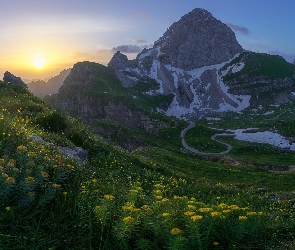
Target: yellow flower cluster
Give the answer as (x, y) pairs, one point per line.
(109, 197)
(128, 219)
(196, 217)
(175, 231)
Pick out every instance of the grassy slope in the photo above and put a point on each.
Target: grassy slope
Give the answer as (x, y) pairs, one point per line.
(122, 201)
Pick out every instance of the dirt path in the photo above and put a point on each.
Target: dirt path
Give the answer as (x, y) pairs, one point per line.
(191, 125)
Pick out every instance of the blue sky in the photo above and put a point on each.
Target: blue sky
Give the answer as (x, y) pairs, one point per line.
(62, 32)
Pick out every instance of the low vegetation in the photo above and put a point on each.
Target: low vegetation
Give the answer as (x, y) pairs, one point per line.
(152, 198)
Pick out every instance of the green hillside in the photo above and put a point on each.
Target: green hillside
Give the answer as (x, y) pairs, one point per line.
(159, 197)
(267, 78)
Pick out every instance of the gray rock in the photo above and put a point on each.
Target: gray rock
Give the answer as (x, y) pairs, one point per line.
(197, 39)
(76, 153)
(8, 77)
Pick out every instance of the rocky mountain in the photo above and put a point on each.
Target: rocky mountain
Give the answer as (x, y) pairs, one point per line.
(9, 77)
(188, 62)
(196, 68)
(42, 88)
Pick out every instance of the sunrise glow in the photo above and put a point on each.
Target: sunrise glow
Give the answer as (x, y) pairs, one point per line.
(39, 63)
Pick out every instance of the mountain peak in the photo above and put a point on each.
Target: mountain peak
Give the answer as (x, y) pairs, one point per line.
(9, 77)
(197, 39)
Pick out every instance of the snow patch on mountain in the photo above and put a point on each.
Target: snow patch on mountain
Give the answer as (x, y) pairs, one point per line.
(238, 67)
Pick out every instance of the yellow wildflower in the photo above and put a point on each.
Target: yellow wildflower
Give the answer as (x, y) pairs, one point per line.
(1, 160)
(222, 206)
(4, 175)
(226, 211)
(214, 214)
(22, 148)
(165, 214)
(165, 200)
(31, 194)
(32, 154)
(175, 230)
(158, 192)
(251, 213)
(146, 207)
(215, 243)
(70, 166)
(46, 158)
(45, 174)
(31, 163)
(15, 169)
(56, 185)
(7, 208)
(94, 180)
(158, 197)
(11, 163)
(65, 193)
(10, 180)
(189, 213)
(109, 197)
(1, 168)
(30, 179)
(191, 207)
(196, 217)
(158, 186)
(128, 219)
(243, 217)
(127, 208)
(205, 209)
(234, 207)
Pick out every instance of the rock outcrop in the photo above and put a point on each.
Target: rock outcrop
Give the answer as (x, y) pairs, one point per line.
(8, 77)
(196, 40)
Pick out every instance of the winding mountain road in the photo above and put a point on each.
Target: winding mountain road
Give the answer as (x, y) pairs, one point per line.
(191, 125)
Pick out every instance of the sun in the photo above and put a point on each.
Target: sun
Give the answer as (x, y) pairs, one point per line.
(39, 63)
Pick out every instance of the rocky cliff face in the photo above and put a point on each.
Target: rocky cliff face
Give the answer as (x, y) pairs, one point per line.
(8, 77)
(92, 92)
(196, 40)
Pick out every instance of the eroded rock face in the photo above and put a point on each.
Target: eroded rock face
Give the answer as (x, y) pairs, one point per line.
(8, 77)
(185, 62)
(197, 39)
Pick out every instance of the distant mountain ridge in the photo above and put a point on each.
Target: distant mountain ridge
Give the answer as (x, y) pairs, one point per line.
(42, 88)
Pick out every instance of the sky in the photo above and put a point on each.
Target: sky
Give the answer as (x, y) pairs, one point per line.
(39, 38)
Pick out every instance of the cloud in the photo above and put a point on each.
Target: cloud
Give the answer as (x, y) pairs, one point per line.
(238, 29)
(140, 14)
(288, 57)
(130, 48)
(139, 41)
